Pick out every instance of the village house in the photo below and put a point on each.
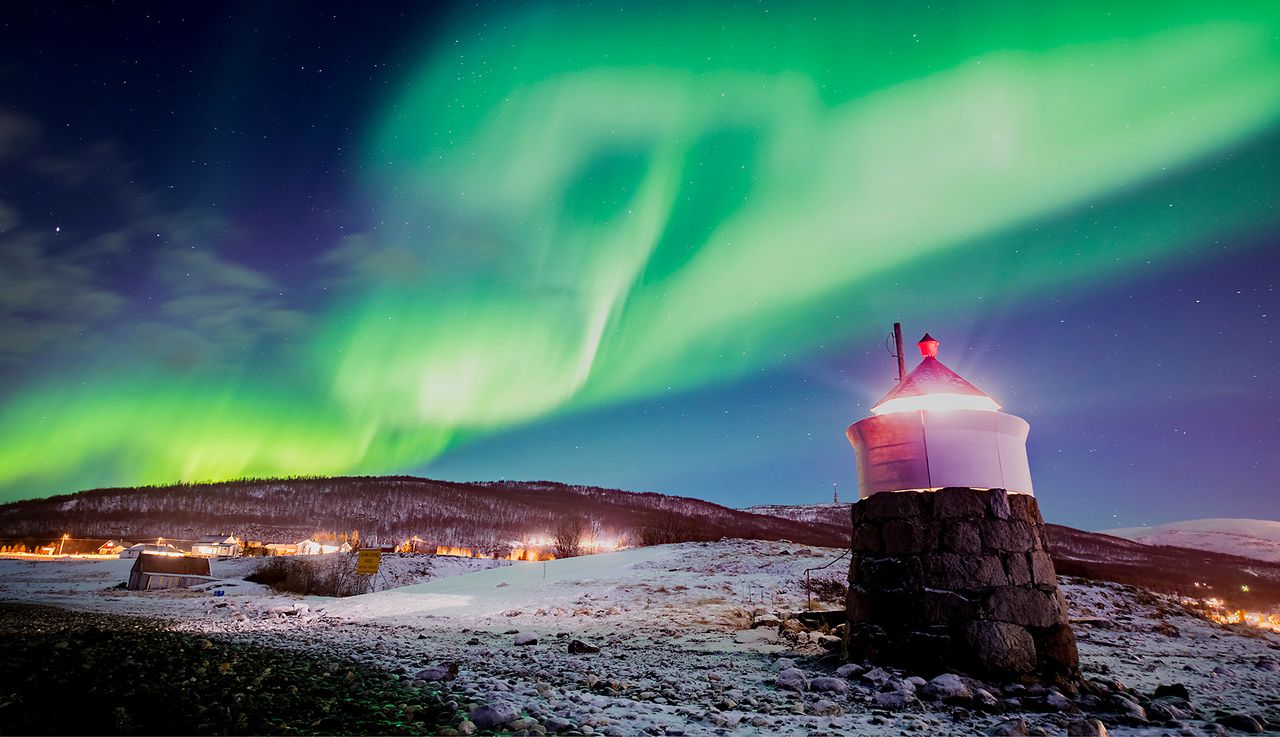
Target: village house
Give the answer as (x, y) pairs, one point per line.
(217, 546)
(113, 547)
(315, 547)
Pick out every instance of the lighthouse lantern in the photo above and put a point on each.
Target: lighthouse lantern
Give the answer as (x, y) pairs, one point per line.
(933, 430)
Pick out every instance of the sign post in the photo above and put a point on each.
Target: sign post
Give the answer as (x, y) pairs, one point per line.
(367, 563)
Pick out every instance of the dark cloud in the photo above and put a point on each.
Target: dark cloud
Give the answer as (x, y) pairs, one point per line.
(147, 282)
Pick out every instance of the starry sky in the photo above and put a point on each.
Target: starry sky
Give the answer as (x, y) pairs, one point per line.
(653, 246)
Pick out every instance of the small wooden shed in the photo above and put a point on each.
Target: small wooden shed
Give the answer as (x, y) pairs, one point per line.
(152, 572)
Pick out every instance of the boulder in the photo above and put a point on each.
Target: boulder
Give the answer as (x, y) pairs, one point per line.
(850, 670)
(1086, 728)
(947, 687)
(441, 672)
(897, 701)
(1016, 727)
(489, 716)
(766, 620)
(827, 684)
(578, 647)
(791, 679)
(1128, 708)
(1177, 690)
(826, 708)
(1242, 722)
(526, 638)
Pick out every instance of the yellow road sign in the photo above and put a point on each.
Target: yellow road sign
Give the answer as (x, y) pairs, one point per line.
(367, 562)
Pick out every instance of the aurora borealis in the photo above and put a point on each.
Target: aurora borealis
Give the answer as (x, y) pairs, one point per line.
(646, 246)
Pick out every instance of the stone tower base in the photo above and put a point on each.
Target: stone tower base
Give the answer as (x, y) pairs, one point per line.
(957, 579)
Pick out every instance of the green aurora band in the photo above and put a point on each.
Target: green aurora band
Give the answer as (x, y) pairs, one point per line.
(583, 208)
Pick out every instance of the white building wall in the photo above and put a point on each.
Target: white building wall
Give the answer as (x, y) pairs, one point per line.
(927, 449)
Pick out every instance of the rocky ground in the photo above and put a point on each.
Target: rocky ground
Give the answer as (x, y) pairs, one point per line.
(80, 673)
(709, 639)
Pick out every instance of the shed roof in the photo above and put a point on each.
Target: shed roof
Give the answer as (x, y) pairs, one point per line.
(172, 565)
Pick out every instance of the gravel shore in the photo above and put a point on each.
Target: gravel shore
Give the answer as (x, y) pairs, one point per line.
(72, 672)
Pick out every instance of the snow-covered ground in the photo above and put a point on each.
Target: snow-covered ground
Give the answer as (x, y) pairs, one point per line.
(677, 651)
(1249, 538)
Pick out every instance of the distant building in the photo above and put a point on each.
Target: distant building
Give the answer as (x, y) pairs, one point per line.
(315, 547)
(133, 551)
(152, 572)
(113, 547)
(216, 546)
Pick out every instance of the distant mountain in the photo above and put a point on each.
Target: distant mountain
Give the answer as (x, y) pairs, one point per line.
(391, 509)
(1248, 538)
(812, 513)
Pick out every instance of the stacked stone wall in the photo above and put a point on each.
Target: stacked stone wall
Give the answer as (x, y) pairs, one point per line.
(957, 579)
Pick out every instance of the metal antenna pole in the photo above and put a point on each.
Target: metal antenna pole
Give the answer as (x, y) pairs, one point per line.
(897, 343)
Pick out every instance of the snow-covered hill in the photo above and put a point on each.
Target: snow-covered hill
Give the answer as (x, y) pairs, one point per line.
(1247, 538)
(825, 514)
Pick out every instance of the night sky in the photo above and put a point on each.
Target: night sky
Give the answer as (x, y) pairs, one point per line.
(653, 246)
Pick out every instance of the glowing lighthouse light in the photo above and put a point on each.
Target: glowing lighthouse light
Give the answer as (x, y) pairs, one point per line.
(935, 430)
(933, 386)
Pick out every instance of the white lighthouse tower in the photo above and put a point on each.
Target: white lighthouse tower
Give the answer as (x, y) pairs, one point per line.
(936, 430)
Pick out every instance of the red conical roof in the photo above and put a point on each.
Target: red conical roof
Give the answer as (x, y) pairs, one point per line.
(932, 379)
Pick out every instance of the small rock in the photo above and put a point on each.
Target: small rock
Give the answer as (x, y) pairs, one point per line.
(826, 708)
(557, 724)
(578, 647)
(1166, 629)
(766, 620)
(1057, 702)
(1163, 711)
(878, 676)
(1129, 708)
(784, 663)
(897, 701)
(1242, 722)
(1009, 728)
(526, 638)
(1086, 728)
(849, 670)
(827, 684)
(791, 679)
(466, 726)
(488, 716)
(441, 672)
(947, 687)
(1270, 665)
(1172, 689)
(985, 699)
